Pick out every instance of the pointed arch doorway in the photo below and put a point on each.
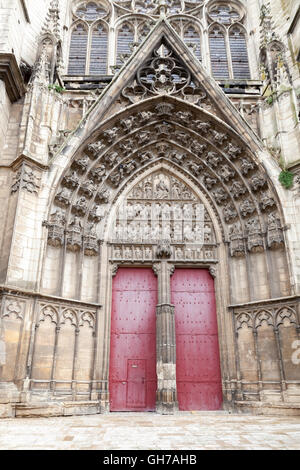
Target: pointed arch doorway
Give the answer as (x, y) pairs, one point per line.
(163, 222)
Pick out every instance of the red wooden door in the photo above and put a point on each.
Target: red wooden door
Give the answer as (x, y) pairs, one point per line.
(132, 374)
(197, 351)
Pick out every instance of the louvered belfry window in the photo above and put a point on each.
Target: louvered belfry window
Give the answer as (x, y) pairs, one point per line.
(78, 50)
(218, 53)
(228, 42)
(99, 52)
(239, 54)
(192, 38)
(88, 53)
(124, 42)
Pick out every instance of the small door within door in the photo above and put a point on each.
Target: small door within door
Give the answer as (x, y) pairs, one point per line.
(136, 383)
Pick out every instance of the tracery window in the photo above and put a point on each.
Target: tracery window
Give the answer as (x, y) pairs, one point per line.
(190, 34)
(88, 51)
(228, 41)
(122, 24)
(130, 33)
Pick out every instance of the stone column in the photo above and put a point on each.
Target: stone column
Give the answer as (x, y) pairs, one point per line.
(166, 394)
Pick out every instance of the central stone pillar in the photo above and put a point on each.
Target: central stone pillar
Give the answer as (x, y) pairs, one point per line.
(166, 394)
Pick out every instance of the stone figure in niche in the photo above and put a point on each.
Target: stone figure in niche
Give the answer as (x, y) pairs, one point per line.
(112, 159)
(233, 150)
(143, 137)
(117, 253)
(207, 234)
(247, 166)
(177, 232)
(56, 228)
(127, 146)
(73, 234)
(166, 231)
(188, 211)
(145, 157)
(209, 182)
(64, 196)
(202, 126)
(156, 233)
(96, 147)
(177, 211)
(99, 173)
(138, 253)
(247, 207)
(182, 137)
(148, 189)
(58, 217)
(88, 188)
(226, 173)
(148, 253)
(220, 195)
(188, 233)
(103, 196)
(266, 201)
(179, 253)
(236, 245)
(237, 189)
(144, 116)
(111, 134)
(213, 159)
(178, 158)
(127, 123)
(255, 241)
(129, 167)
(218, 137)
(229, 213)
(274, 231)
(184, 116)
(82, 163)
(127, 253)
(257, 182)
(195, 168)
(198, 148)
(72, 180)
(161, 188)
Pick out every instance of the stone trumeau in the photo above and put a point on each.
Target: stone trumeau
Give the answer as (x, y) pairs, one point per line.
(150, 186)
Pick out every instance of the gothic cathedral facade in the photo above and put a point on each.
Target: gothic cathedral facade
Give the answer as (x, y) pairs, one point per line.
(150, 206)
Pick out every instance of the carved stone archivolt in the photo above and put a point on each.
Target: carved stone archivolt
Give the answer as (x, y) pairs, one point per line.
(204, 151)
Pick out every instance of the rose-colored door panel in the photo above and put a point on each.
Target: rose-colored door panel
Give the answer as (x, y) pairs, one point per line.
(132, 373)
(197, 350)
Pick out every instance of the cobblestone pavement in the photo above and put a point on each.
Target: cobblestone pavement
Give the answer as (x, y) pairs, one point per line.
(149, 431)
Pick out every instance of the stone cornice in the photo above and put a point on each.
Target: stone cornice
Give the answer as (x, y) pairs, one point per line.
(5, 290)
(12, 77)
(25, 159)
(260, 303)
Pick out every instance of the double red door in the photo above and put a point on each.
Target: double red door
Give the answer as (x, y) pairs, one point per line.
(133, 340)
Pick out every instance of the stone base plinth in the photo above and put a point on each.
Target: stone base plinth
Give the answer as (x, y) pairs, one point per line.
(269, 409)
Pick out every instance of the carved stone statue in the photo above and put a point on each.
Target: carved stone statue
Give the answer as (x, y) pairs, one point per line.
(274, 231)
(255, 241)
(236, 245)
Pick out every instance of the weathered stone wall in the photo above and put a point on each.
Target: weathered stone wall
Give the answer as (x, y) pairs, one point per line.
(55, 298)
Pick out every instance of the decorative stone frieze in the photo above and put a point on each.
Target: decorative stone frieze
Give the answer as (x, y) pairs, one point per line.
(26, 179)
